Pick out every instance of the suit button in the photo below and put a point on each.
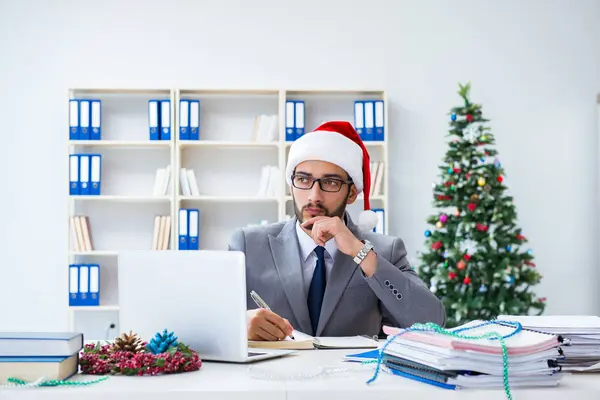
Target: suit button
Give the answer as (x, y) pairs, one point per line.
(392, 287)
(395, 291)
(387, 283)
(399, 296)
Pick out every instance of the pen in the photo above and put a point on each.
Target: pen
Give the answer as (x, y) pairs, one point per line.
(261, 303)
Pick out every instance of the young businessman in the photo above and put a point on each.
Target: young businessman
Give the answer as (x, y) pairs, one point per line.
(319, 272)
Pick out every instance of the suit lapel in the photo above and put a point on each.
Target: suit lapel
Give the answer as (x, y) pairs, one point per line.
(286, 254)
(341, 273)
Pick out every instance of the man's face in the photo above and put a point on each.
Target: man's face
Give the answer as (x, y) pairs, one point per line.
(315, 202)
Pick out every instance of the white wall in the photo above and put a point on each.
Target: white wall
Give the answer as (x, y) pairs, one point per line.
(533, 65)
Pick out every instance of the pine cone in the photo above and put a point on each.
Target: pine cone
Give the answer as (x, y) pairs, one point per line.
(129, 342)
(161, 342)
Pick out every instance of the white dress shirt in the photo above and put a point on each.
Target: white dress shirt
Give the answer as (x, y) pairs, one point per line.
(308, 258)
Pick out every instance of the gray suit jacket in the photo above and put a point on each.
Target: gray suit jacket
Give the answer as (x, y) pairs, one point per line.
(353, 304)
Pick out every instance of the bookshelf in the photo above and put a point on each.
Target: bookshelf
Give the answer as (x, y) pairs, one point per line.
(227, 162)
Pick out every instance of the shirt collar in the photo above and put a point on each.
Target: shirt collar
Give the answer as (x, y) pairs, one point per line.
(307, 244)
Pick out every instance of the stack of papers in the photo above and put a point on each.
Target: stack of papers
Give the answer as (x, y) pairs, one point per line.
(302, 341)
(580, 336)
(452, 362)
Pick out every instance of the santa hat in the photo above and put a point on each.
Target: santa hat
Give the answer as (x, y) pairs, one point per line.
(338, 143)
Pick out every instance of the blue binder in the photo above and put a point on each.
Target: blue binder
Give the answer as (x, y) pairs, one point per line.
(193, 228)
(359, 118)
(74, 285)
(96, 118)
(379, 120)
(299, 118)
(94, 285)
(74, 174)
(95, 173)
(165, 120)
(184, 119)
(380, 227)
(290, 121)
(153, 119)
(84, 174)
(84, 284)
(369, 134)
(194, 119)
(84, 119)
(73, 119)
(183, 229)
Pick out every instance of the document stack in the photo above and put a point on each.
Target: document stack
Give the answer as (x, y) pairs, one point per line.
(30, 356)
(580, 336)
(265, 129)
(472, 357)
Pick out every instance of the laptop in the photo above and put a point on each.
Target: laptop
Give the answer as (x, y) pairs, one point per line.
(199, 295)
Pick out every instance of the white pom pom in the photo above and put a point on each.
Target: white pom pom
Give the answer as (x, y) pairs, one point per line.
(367, 220)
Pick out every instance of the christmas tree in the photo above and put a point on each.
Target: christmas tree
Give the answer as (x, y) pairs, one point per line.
(475, 261)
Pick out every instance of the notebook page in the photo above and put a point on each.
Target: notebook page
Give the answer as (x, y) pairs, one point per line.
(347, 342)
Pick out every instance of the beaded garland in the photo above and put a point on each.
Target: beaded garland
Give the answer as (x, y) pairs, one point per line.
(21, 384)
(431, 327)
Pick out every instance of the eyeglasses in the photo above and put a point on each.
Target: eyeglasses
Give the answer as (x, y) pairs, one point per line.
(304, 182)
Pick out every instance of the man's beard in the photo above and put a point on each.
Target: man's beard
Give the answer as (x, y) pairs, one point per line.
(338, 212)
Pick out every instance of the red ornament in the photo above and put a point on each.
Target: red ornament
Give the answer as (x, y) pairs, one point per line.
(531, 264)
(451, 275)
(467, 257)
(472, 207)
(443, 197)
(543, 299)
(468, 176)
(449, 183)
(467, 280)
(481, 227)
(456, 170)
(499, 179)
(436, 245)
(520, 237)
(461, 265)
(469, 117)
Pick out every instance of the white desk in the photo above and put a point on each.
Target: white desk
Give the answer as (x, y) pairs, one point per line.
(232, 381)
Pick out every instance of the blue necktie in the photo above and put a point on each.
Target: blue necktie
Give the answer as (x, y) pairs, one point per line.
(317, 289)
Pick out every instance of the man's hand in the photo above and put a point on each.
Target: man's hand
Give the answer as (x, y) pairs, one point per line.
(325, 228)
(266, 325)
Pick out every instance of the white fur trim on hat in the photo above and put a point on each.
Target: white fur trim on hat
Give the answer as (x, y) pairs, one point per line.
(331, 147)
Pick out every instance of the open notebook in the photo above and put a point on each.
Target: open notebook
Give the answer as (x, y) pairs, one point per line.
(302, 341)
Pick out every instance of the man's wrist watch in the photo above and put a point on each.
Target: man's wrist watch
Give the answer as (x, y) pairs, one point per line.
(368, 246)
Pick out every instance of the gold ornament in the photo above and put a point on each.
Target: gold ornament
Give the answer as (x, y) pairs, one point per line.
(474, 197)
(129, 342)
(481, 182)
(483, 138)
(439, 225)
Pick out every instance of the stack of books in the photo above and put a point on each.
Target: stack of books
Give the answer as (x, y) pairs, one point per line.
(81, 234)
(579, 336)
(453, 362)
(34, 355)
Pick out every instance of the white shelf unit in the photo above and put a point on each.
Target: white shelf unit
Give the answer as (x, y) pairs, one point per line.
(226, 162)
(122, 216)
